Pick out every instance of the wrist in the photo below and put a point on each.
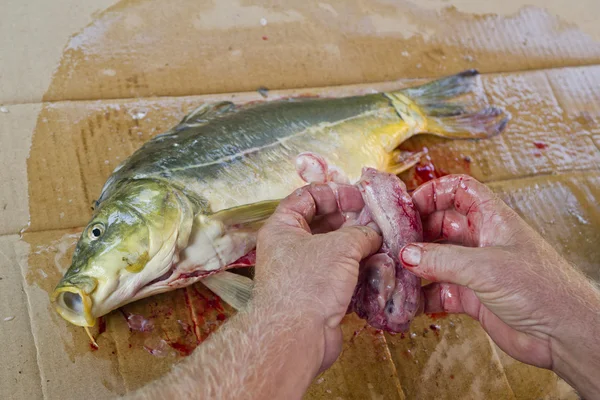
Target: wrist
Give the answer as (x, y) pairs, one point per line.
(296, 307)
(300, 335)
(578, 368)
(575, 347)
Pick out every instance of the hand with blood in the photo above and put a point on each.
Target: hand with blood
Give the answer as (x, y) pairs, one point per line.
(495, 268)
(313, 275)
(387, 295)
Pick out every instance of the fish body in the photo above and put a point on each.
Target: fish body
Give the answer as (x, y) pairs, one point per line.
(188, 203)
(241, 156)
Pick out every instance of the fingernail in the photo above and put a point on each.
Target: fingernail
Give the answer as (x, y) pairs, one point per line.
(411, 255)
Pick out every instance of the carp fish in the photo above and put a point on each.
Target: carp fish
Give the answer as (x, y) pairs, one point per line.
(187, 204)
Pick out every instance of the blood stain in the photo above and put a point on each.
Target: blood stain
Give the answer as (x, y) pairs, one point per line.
(426, 171)
(437, 315)
(183, 349)
(247, 260)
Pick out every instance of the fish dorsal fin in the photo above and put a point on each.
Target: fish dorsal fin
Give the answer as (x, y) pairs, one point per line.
(206, 112)
(234, 289)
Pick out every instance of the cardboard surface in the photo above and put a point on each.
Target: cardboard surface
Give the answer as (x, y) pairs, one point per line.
(56, 155)
(135, 48)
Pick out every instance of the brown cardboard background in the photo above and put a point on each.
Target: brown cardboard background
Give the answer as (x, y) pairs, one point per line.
(16, 130)
(20, 375)
(65, 119)
(553, 202)
(132, 48)
(55, 156)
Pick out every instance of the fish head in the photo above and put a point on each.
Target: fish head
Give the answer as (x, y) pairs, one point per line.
(133, 239)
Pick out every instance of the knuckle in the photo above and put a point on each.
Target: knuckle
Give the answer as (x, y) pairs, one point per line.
(443, 261)
(354, 253)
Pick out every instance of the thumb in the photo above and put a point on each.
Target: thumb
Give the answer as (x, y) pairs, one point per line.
(357, 242)
(445, 262)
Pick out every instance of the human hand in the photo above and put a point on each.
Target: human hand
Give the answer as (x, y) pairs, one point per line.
(532, 303)
(308, 265)
(306, 271)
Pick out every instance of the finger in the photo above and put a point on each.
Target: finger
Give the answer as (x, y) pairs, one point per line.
(311, 167)
(449, 263)
(327, 223)
(356, 242)
(450, 298)
(348, 196)
(451, 226)
(460, 192)
(337, 175)
(489, 220)
(300, 208)
(334, 221)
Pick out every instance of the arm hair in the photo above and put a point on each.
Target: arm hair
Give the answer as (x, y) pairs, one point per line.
(261, 352)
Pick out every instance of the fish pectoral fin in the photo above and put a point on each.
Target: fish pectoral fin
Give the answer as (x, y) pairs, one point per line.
(248, 215)
(233, 289)
(206, 112)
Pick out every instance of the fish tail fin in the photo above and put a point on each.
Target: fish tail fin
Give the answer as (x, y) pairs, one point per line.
(452, 107)
(233, 289)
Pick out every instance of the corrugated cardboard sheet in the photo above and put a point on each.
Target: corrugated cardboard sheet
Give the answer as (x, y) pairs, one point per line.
(83, 84)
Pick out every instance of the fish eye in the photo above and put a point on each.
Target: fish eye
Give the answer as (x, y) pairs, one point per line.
(73, 302)
(96, 231)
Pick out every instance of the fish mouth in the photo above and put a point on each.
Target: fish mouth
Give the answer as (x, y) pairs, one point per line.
(74, 305)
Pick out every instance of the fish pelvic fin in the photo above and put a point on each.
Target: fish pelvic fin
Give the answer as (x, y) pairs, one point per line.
(233, 289)
(404, 160)
(453, 107)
